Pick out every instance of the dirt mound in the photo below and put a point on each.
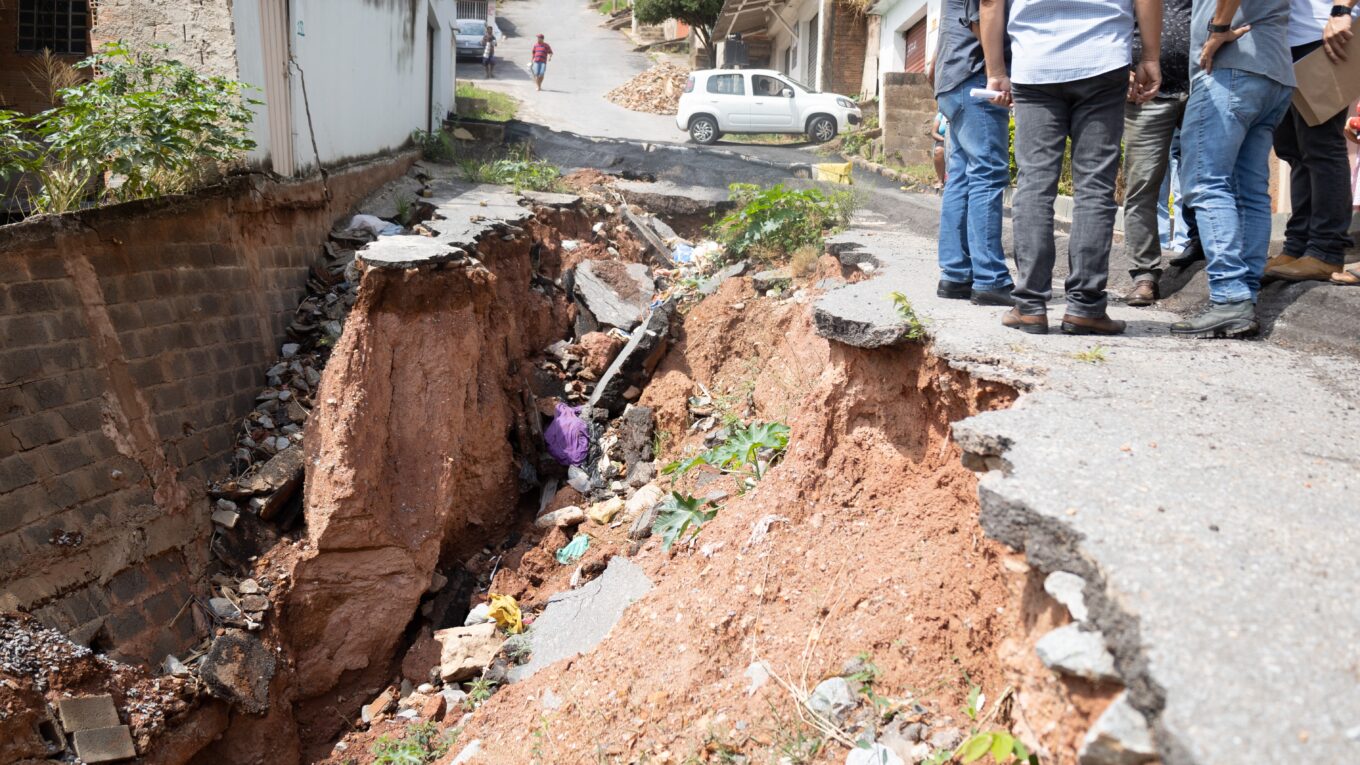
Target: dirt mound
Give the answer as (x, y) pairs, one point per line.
(656, 90)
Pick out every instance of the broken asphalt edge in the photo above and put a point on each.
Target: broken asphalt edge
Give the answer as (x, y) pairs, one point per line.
(518, 129)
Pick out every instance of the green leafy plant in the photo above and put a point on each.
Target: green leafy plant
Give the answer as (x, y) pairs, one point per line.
(973, 706)
(1094, 355)
(779, 220)
(478, 691)
(516, 168)
(916, 328)
(435, 146)
(681, 514)
(422, 743)
(740, 451)
(499, 106)
(1002, 746)
(866, 676)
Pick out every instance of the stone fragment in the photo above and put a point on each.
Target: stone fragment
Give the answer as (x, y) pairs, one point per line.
(832, 699)
(248, 587)
(1120, 736)
(466, 651)
(421, 657)
(281, 477)
(104, 744)
(226, 518)
(771, 280)
(454, 698)
(643, 500)
(642, 525)
(711, 284)
(598, 351)
(948, 738)
(86, 712)
(370, 711)
(1074, 651)
(433, 707)
(223, 608)
(757, 675)
(635, 362)
(566, 516)
(254, 603)
(1068, 589)
(616, 293)
(604, 512)
(238, 669)
(874, 754)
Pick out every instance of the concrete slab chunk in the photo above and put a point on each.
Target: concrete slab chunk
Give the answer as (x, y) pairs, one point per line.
(466, 651)
(105, 744)
(577, 620)
(1075, 651)
(87, 712)
(238, 669)
(616, 293)
(402, 252)
(1120, 736)
(1068, 589)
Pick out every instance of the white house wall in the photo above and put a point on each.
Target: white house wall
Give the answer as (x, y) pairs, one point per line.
(250, 70)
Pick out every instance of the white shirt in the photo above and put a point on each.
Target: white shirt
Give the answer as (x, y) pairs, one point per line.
(1307, 18)
(1054, 41)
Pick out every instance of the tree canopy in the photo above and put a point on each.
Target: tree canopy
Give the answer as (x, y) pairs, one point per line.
(700, 14)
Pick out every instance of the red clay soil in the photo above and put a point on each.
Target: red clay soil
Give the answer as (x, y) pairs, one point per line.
(876, 550)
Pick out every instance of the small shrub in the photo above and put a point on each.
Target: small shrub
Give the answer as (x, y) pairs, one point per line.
(422, 743)
(1002, 746)
(681, 514)
(500, 107)
(916, 329)
(517, 168)
(740, 451)
(478, 691)
(804, 260)
(1094, 355)
(779, 219)
(436, 146)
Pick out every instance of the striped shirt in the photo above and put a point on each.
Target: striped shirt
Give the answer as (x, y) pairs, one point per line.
(541, 52)
(1054, 41)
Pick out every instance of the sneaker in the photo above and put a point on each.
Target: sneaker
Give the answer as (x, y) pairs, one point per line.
(1001, 297)
(1221, 320)
(954, 290)
(1092, 325)
(1193, 251)
(1144, 293)
(1036, 324)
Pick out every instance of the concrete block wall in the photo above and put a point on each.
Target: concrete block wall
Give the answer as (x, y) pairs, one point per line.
(843, 58)
(133, 339)
(908, 108)
(199, 33)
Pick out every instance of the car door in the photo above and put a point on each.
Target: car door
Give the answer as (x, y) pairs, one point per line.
(771, 109)
(726, 96)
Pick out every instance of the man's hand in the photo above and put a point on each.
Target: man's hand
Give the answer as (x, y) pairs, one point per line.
(1335, 36)
(1218, 40)
(1002, 84)
(1147, 80)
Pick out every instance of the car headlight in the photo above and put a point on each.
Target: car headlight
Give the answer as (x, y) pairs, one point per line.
(845, 103)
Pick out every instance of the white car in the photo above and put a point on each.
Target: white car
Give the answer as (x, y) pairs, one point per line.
(468, 40)
(718, 101)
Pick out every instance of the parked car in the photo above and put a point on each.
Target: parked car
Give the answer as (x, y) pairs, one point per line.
(468, 41)
(718, 101)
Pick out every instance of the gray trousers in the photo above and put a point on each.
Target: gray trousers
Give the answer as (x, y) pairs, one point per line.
(1091, 113)
(1148, 129)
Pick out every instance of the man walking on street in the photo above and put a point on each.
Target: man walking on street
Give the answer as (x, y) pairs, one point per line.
(1316, 238)
(1149, 129)
(1242, 79)
(539, 59)
(972, 263)
(1071, 78)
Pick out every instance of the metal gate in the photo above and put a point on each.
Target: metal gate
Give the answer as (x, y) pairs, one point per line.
(472, 9)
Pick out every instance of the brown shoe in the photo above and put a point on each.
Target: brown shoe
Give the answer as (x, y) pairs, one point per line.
(1305, 269)
(1144, 293)
(1101, 325)
(1280, 260)
(1036, 324)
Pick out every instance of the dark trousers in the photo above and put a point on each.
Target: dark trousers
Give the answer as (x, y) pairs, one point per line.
(1091, 113)
(1319, 182)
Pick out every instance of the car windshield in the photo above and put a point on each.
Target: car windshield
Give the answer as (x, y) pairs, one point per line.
(798, 85)
(471, 27)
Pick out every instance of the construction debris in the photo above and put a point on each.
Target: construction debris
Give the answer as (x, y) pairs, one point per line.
(656, 90)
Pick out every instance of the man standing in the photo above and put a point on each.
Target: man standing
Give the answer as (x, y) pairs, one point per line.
(539, 59)
(1149, 129)
(1316, 238)
(1243, 78)
(972, 263)
(1071, 79)
(489, 51)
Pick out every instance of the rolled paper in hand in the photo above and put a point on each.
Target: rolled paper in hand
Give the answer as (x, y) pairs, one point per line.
(984, 93)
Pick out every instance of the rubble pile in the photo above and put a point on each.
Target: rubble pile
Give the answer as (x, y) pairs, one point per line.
(656, 90)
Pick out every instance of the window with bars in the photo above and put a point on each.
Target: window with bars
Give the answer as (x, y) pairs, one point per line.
(56, 25)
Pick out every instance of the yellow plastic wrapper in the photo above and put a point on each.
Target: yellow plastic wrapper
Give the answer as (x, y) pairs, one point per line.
(505, 611)
(835, 172)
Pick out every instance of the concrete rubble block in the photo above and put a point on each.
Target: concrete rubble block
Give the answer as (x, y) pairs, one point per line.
(1120, 736)
(603, 513)
(711, 284)
(636, 428)
(1068, 589)
(550, 199)
(635, 363)
(645, 520)
(466, 651)
(570, 515)
(1072, 650)
(86, 712)
(643, 500)
(403, 252)
(861, 315)
(666, 198)
(765, 281)
(280, 478)
(616, 293)
(378, 706)
(238, 669)
(389, 201)
(833, 699)
(577, 620)
(105, 744)
(599, 350)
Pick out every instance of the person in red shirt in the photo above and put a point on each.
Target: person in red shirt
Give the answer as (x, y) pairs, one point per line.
(538, 62)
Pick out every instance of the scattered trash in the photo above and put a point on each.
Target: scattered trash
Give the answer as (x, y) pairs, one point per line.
(374, 225)
(573, 550)
(568, 438)
(833, 172)
(505, 611)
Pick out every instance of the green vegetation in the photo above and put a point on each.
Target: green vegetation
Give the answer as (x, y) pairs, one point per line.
(740, 451)
(1095, 355)
(146, 127)
(1002, 746)
(499, 106)
(916, 329)
(516, 168)
(701, 15)
(681, 514)
(423, 743)
(436, 146)
(776, 221)
(478, 691)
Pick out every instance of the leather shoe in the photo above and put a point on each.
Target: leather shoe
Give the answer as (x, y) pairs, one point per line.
(1144, 293)
(1280, 260)
(1305, 269)
(1193, 251)
(1099, 325)
(1036, 324)
(954, 290)
(1001, 297)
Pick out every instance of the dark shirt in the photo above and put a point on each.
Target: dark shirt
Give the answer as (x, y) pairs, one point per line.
(958, 54)
(1175, 59)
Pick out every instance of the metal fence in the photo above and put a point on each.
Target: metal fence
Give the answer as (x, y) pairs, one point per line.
(472, 9)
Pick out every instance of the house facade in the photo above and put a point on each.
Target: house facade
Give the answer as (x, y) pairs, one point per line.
(820, 43)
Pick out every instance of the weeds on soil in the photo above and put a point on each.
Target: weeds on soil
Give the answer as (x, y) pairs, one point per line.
(776, 221)
(1094, 355)
(478, 691)
(423, 743)
(499, 106)
(916, 329)
(681, 515)
(435, 146)
(516, 168)
(741, 451)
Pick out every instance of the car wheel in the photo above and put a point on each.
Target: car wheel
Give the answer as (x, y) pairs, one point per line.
(821, 129)
(703, 130)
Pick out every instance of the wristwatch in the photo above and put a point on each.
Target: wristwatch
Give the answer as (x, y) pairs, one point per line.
(1218, 29)
(1341, 10)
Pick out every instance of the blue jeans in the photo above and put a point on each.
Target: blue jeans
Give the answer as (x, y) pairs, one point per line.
(1226, 139)
(1171, 227)
(978, 174)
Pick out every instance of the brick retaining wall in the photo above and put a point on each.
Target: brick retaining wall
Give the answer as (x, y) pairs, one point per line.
(135, 338)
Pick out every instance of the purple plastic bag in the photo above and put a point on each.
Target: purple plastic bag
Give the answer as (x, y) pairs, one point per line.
(567, 437)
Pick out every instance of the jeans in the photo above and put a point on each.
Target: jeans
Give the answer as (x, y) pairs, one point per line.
(1319, 182)
(1229, 126)
(1091, 113)
(1174, 226)
(977, 176)
(1148, 132)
